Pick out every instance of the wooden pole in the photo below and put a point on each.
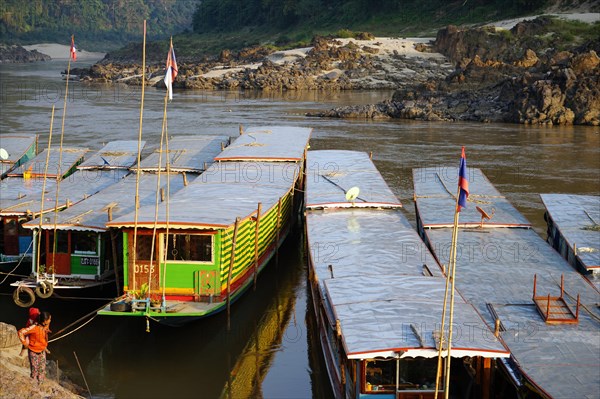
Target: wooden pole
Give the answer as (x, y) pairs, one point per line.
(231, 262)
(39, 243)
(113, 243)
(256, 234)
(138, 170)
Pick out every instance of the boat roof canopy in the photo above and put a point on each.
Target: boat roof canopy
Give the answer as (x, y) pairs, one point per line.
(92, 214)
(268, 143)
(332, 174)
(577, 217)
(120, 154)
(16, 146)
(227, 190)
(24, 196)
(435, 193)
(398, 316)
(71, 157)
(186, 154)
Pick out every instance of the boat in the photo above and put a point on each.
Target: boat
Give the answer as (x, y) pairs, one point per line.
(78, 260)
(378, 293)
(20, 201)
(574, 230)
(16, 149)
(216, 234)
(546, 311)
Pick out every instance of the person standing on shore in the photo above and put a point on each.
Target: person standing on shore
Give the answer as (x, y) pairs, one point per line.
(34, 313)
(37, 345)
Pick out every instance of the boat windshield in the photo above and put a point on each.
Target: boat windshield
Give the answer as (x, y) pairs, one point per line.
(404, 374)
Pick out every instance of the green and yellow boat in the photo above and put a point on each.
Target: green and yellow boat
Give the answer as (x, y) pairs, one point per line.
(199, 250)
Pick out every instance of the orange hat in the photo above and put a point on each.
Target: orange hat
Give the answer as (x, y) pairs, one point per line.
(33, 313)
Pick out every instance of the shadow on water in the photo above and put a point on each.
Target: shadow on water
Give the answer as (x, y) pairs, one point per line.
(200, 359)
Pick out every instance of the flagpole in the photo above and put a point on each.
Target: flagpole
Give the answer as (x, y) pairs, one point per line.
(59, 178)
(453, 281)
(461, 198)
(139, 154)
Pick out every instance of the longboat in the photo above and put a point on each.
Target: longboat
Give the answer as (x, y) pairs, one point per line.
(91, 255)
(574, 230)
(20, 199)
(546, 311)
(196, 256)
(377, 292)
(74, 258)
(15, 150)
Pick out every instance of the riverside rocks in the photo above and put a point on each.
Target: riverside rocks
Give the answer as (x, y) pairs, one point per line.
(344, 64)
(15, 54)
(499, 79)
(15, 382)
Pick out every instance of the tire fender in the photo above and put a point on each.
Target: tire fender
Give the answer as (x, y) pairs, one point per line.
(28, 301)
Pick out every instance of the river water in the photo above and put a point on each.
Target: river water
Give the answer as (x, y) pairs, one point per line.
(270, 351)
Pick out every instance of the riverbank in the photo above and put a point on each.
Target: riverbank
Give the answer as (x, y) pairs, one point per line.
(15, 54)
(15, 382)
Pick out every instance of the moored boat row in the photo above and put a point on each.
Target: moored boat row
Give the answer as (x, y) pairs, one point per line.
(547, 312)
(377, 291)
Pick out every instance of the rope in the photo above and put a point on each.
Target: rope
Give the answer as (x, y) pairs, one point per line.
(17, 266)
(94, 312)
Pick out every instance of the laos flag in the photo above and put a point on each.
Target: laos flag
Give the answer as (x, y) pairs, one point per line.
(463, 183)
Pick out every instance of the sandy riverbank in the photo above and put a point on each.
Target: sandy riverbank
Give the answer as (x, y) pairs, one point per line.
(61, 51)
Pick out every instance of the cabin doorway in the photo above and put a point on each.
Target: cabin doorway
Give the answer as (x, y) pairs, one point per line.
(143, 271)
(58, 253)
(10, 232)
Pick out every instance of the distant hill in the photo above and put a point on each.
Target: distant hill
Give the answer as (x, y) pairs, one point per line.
(97, 24)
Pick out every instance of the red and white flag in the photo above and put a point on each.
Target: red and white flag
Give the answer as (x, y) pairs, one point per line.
(73, 50)
(171, 71)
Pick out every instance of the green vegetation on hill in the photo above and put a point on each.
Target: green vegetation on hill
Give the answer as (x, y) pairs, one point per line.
(97, 24)
(378, 16)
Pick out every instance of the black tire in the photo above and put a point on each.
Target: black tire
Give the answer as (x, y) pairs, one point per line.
(120, 307)
(44, 290)
(29, 297)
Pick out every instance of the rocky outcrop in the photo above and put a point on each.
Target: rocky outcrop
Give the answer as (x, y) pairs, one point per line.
(15, 382)
(15, 54)
(497, 79)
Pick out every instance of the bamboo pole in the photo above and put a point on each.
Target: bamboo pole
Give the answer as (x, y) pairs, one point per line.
(278, 229)
(138, 170)
(231, 262)
(59, 177)
(39, 243)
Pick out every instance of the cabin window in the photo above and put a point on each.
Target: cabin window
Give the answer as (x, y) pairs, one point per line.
(189, 247)
(143, 247)
(84, 242)
(413, 374)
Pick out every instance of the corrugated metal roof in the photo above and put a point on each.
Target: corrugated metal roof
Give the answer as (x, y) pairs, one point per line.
(92, 214)
(70, 157)
(331, 173)
(120, 154)
(16, 145)
(17, 193)
(435, 190)
(186, 153)
(378, 286)
(221, 194)
(74, 188)
(268, 143)
(495, 269)
(399, 315)
(577, 218)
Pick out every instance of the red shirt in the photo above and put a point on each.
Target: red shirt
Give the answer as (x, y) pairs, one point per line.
(38, 337)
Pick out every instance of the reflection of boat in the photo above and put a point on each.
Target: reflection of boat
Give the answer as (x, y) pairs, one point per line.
(217, 234)
(78, 257)
(554, 349)
(252, 365)
(378, 292)
(574, 229)
(16, 149)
